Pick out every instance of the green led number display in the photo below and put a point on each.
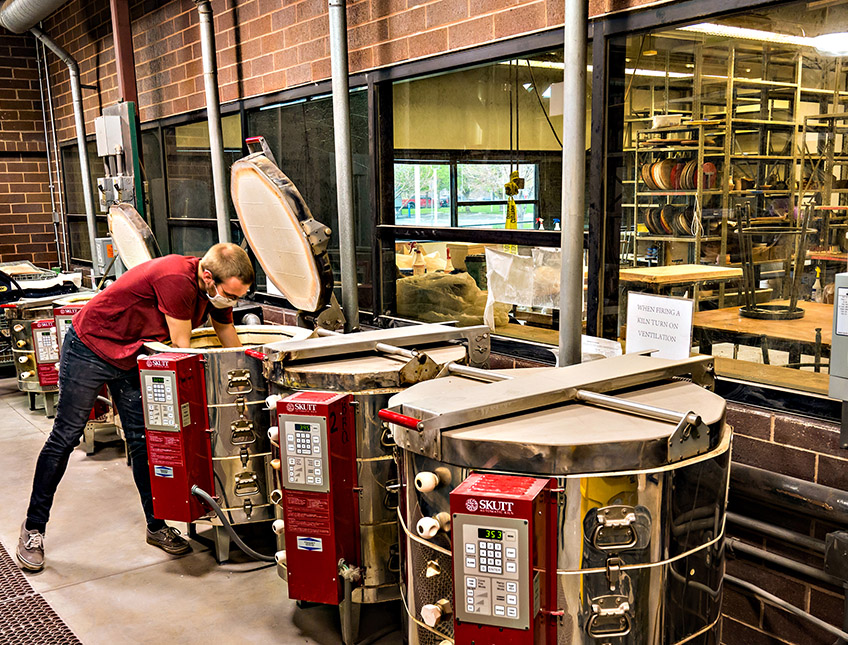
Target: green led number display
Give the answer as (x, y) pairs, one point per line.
(490, 534)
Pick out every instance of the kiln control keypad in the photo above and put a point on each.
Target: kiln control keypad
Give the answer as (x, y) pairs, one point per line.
(304, 462)
(491, 573)
(160, 408)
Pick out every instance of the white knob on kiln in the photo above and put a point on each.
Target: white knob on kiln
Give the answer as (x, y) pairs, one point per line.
(23, 359)
(274, 435)
(280, 557)
(276, 496)
(279, 527)
(26, 374)
(427, 527)
(271, 401)
(433, 614)
(426, 481)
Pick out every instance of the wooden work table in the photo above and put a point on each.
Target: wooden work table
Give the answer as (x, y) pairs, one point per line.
(795, 336)
(677, 274)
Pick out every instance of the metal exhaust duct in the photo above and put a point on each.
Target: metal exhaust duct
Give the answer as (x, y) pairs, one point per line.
(573, 181)
(213, 116)
(344, 162)
(79, 122)
(20, 16)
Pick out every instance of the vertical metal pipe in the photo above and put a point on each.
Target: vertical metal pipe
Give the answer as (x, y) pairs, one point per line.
(56, 153)
(50, 185)
(344, 162)
(573, 181)
(213, 116)
(79, 122)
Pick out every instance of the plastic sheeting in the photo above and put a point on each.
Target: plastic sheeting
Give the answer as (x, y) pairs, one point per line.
(523, 280)
(441, 297)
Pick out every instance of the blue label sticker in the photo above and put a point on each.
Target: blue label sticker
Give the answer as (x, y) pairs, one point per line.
(163, 471)
(310, 544)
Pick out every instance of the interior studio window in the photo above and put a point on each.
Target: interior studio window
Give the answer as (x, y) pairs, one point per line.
(482, 200)
(728, 158)
(301, 136)
(192, 227)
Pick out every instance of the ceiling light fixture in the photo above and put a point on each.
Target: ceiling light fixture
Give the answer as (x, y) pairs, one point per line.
(743, 33)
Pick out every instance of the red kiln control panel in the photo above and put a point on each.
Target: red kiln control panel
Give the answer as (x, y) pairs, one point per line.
(63, 316)
(179, 450)
(504, 560)
(320, 500)
(46, 351)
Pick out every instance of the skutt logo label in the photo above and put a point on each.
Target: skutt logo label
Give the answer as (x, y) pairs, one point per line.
(489, 506)
(301, 407)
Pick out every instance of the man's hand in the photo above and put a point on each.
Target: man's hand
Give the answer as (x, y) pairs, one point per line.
(180, 331)
(226, 334)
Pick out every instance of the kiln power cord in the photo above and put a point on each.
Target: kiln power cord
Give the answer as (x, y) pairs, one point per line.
(207, 498)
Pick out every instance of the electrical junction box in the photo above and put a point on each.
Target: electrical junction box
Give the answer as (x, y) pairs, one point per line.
(320, 498)
(179, 449)
(106, 252)
(504, 562)
(46, 351)
(838, 388)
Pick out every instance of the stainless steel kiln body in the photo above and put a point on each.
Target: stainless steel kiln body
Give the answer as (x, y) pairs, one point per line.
(352, 364)
(20, 318)
(664, 558)
(238, 422)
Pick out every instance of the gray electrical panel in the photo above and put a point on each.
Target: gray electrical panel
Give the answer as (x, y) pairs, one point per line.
(839, 351)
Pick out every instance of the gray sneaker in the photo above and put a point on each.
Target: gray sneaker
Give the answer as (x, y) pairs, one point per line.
(31, 549)
(168, 539)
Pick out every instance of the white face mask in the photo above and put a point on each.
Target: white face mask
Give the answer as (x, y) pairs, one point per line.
(221, 302)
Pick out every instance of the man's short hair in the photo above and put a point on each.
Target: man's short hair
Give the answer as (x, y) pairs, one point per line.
(226, 260)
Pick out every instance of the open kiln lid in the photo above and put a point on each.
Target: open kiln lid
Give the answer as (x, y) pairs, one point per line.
(131, 235)
(289, 244)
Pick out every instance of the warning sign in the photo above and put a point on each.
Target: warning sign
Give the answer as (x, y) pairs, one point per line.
(165, 448)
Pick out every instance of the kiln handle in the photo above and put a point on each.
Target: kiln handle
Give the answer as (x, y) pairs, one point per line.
(401, 420)
(256, 354)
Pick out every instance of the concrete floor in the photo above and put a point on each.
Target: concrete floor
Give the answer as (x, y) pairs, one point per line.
(110, 586)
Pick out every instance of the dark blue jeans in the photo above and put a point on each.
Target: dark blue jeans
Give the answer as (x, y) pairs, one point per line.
(82, 374)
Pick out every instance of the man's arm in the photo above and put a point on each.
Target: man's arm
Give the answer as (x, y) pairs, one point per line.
(226, 334)
(180, 331)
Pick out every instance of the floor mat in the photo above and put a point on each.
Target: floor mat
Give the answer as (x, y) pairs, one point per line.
(25, 617)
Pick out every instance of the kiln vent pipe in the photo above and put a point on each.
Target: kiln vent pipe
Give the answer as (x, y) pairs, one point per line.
(573, 181)
(79, 122)
(344, 161)
(213, 117)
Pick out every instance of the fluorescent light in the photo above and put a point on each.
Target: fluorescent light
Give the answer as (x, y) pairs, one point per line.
(832, 44)
(743, 33)
(657, 72)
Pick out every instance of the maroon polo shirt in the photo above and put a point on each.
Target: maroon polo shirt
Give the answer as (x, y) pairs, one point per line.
(117, 322)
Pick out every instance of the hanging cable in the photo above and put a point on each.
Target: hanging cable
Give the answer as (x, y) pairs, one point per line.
(542, 105)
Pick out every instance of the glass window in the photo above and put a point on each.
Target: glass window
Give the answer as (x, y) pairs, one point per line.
(78, 236)
(457, 139)
(422, 194)
(74, 201)
(482, 199)
(192, 240)
(727, 157)
(300, 134)
(189, 165)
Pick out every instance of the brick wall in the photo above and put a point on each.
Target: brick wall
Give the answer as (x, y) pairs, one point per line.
(26, 225)
(809, 450)
(266, 45)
